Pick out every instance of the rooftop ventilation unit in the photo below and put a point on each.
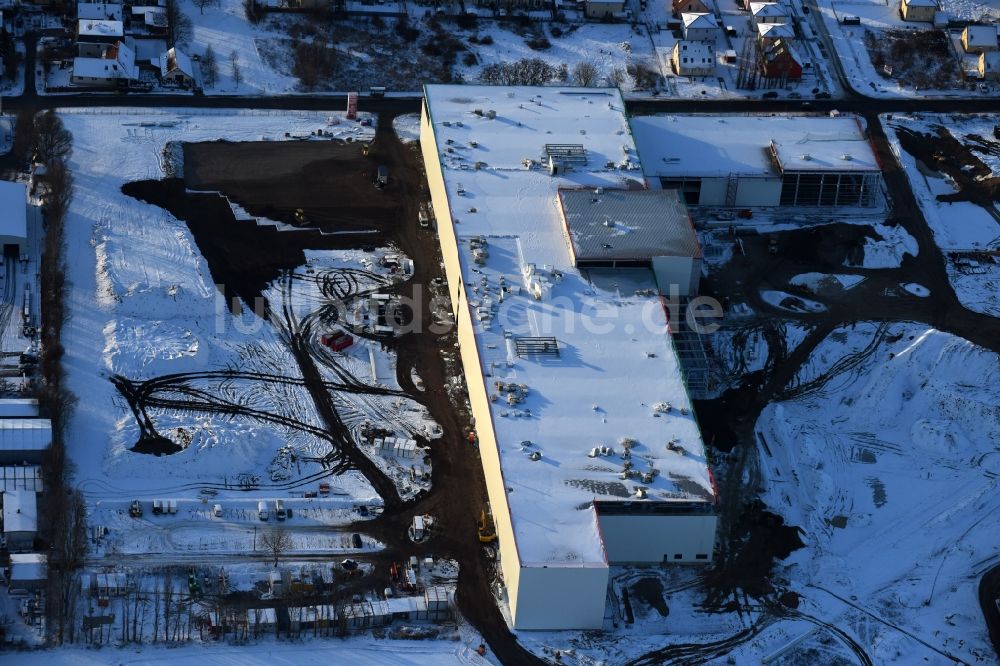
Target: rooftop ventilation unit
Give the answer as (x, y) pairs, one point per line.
(567, 153)
(536, 346)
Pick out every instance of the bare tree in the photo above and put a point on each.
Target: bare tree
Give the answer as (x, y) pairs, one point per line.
(234, 60)
(53, 142)
(277, 540)
(585, 73)
(209, 67)
(617, 77)
(202, 4)
(178, 23)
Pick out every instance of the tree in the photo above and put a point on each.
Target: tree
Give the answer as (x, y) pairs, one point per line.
(313, 63)
(209, 67)
(252, 11)
(278, 541)
(201, 4)
(585, 73)
(178, 23)
(53, 142)
(617, 77)
(234, 60)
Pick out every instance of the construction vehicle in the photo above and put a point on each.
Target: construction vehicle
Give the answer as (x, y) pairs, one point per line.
(487, 533)
(300, 216)
(135, 509)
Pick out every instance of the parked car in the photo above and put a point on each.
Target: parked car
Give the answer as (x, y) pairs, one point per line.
(770, 94)
(356, 540)
(262, 511)
(822, 95)
(382, 176)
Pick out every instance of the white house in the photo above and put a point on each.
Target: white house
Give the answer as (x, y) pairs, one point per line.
(768, 12)
(979, 38)
(693, 58)
(770, 32)
(699, 27)
(176, 68)
(116, 67)
(921, 11)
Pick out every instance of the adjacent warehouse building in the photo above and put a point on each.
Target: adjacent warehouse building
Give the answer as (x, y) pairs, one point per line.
(13, 217)
(746, 161)
(527, 187)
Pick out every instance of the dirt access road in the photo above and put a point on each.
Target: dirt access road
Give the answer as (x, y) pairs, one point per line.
(332, 184)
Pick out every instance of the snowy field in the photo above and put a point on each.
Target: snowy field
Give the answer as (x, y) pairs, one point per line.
(958, 226)
(144, 308)
(885, 459)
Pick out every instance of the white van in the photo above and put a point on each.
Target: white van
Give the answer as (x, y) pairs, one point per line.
(262, 512)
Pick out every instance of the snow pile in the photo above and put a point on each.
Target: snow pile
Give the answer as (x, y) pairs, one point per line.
(884, 468)
(817, 282)
(888, 252)
(407, 127)
(785, 301)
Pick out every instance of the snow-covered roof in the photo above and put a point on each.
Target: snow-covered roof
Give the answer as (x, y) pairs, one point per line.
(921, 3)
(21, 477)
(99, 28)
(18, 407)
(175, 60)
(990, 60)
(981, 35)
(98, 11)
(767, 9)
(628, 224)
(151, 16)
(20, 511)
(118, 63)
(720, 145)
(698, 20)
(13, 209)
(27, 567)
(693, 49)
(602, 385)
(776, 30)
(25, 434)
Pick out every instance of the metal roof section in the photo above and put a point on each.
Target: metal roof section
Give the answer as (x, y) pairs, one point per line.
(628, 225)
(25, 434)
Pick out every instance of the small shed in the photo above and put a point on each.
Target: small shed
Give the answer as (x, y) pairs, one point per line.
(28, 571)
(20, 519)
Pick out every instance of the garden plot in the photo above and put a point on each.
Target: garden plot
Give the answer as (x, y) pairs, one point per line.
(889, 468)
(157, 359)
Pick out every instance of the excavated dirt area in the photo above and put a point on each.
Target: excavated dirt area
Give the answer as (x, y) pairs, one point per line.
(332, 184)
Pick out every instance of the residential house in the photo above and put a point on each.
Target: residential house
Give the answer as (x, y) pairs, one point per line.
(780, 63)
(679, 7)
(979, 38)
(918, 10)
(768, 12)
(114, 68)
(989, 65)
(20, 519)
(603, 9)
(700, 27)
(99, 31)
(176, 68)
(693, 58)
(148, 21)
(768, 33)
(98, 11)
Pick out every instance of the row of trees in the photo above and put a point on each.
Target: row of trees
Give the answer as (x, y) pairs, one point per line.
(63, 507)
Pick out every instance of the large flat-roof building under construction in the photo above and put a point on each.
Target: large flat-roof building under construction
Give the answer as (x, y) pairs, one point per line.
(590, 448)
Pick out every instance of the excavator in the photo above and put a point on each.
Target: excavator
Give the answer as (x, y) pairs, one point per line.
(487, 532)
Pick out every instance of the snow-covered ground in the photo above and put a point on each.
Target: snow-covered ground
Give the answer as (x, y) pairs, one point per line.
(407, 127)
(961, 226)
(888, 252)
(360, 651)
(143, 305)
(890, 470)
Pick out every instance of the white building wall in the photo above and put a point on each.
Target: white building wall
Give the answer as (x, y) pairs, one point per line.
(658, 538)
(685, 272)
(713, 192)
(560, 597)
(758, 192)
(700, 34)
